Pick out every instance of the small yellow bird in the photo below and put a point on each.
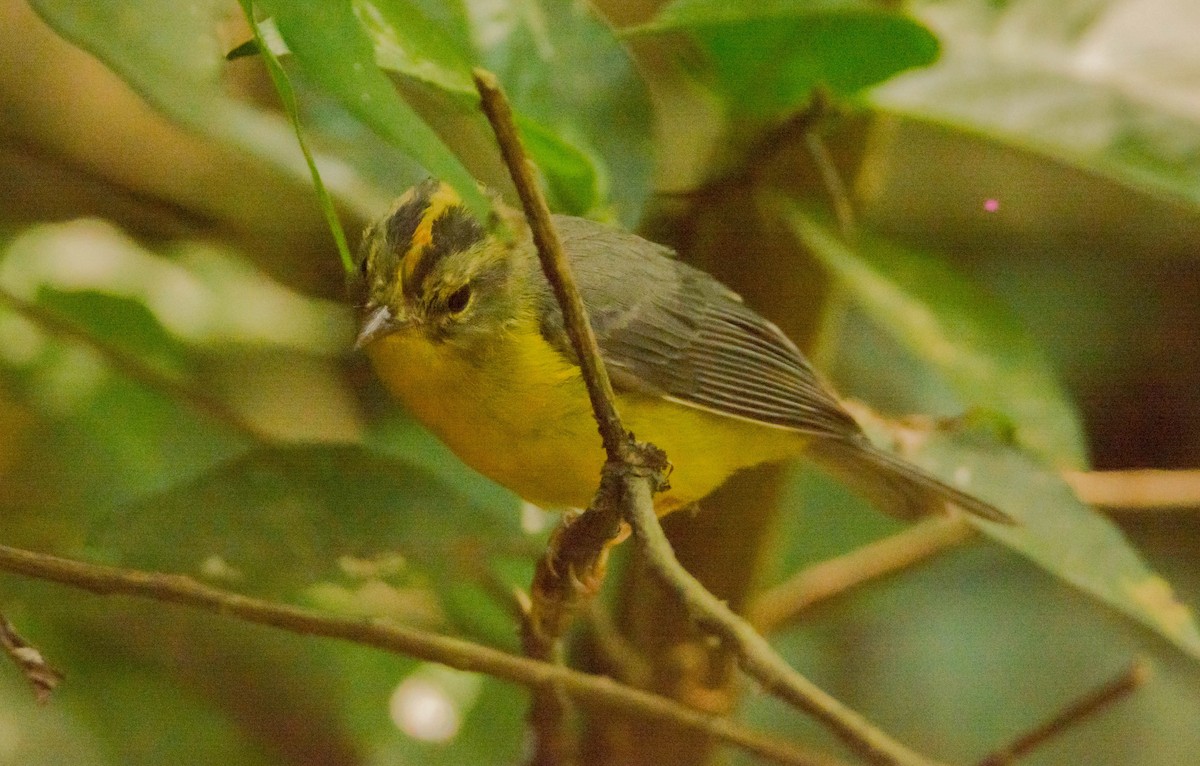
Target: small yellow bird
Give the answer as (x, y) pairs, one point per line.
(463, 328)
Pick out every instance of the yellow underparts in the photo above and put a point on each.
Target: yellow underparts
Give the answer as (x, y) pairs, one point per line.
(522, 418)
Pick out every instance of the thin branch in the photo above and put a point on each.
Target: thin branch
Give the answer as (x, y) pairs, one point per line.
(633, 473)
(32, 664)
(835, 187)
(577, 551)
(620, 657)
(590, 691)
(554, 263)
(1093, 702)
(757, 657)
(1140, 489)
(135, 369)
(779, 606)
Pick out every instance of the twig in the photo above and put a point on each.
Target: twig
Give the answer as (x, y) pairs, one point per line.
(571, 571)
(291, 107)
(567, 577)
(631, 474)
(777, 607)
(1141, 489)
(757, 657)
(555, 595)
(839, 197)
(1134, 676)
(554, 262)
(33, 665)
(135, 369)
(591, 691)
(621, 658)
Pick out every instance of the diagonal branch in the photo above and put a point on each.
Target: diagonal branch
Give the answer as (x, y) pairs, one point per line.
(554, 262)
(779, 606)
(632, 475)
(33, 665)
(757, 657)
(570, 572)
(591, 691)
(1089, 704)
(1142, 489)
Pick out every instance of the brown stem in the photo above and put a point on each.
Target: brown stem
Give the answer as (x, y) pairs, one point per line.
(757, 657)
(1097, 699)
(1141, 489)
(554, 263)
(633, 473)
(589, 691)
(835, 187)
(779, 606)
(32, 664)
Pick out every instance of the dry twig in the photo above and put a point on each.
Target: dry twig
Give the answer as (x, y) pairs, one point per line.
(1137, 489)
(33, 665)
(777, 607)
(630, 478)
(1089, 704)
(590, 691)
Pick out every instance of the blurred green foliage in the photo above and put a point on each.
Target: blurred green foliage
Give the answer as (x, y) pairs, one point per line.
(177, 390)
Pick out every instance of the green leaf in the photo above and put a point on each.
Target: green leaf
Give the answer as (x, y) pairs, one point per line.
(109, 347)
(1104, 86)
(695, 13)
(436, 50)
(407, 41)
(104, 437)
(336, 53)
(959, 331)
(1059, 533)
(566, 71)
(290, 106)
(1054, 529)
(767, 58)
(339, 526)
(175, 61)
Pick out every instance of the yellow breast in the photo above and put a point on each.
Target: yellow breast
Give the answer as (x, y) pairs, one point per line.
(521, 417)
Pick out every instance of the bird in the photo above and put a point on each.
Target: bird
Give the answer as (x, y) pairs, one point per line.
(462, 326)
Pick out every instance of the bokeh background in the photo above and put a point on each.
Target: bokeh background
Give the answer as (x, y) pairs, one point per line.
(178, 393)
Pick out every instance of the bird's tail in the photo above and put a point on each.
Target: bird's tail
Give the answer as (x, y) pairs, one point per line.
(892, 483)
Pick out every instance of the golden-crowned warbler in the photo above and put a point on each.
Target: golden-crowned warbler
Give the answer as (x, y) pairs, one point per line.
(463, 328)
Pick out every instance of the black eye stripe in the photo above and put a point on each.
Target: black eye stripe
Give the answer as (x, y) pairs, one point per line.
(453, 231)
(403, 223)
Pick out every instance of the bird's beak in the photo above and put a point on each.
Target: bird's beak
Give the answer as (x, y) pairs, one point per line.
(379, 322)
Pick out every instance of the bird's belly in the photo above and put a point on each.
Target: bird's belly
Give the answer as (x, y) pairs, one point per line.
(522, 419)
(529, 424)
(704, 448)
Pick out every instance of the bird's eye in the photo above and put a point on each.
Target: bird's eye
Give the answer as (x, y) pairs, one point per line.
(458, 300)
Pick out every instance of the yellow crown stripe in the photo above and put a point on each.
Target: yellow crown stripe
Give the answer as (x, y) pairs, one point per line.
(440, 201)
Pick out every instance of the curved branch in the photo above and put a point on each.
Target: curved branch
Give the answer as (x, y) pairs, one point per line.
(591, 691)
(633, 473)
(779, 606)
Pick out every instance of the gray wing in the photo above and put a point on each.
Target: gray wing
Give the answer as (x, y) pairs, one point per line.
(685, 336)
